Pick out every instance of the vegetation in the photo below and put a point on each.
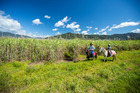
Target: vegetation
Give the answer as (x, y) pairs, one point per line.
(38, 50)
(120, 76)
(127, 36)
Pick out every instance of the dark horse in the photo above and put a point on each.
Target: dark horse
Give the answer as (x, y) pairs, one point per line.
(89, 54)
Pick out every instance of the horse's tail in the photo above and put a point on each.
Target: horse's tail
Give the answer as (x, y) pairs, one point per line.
(114, 55)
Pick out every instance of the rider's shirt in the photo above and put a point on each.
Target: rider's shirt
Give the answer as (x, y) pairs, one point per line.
(109, 48)
(91, 48)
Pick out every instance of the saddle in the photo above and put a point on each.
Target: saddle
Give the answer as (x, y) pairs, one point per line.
(110, 53)
(94, 53)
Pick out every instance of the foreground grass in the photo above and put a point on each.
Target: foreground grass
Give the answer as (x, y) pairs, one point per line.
(122, 75)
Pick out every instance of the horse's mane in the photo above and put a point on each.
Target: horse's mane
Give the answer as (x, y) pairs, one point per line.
(103, 48)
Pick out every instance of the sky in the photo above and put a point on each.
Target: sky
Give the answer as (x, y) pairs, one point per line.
(43, 18)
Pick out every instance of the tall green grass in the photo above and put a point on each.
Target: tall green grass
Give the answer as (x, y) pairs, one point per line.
(96, 76)
(36, 50)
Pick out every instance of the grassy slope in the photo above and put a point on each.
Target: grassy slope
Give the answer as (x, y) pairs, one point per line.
(122, 75)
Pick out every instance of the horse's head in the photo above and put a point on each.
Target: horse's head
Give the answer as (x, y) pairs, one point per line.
(101, 49)
(86, 50)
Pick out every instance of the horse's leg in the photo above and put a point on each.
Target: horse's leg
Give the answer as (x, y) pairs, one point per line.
(96, 55)
(105, 59)
(113, 58)
(88, 57)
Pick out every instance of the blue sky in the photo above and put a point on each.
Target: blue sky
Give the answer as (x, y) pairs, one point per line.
(52, 17)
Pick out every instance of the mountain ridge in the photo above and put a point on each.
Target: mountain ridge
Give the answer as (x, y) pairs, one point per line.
(69, 35)
(8, 34)
(124, 36)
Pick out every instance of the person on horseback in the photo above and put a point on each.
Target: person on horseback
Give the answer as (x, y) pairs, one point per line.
(109, 50)
(91, 48)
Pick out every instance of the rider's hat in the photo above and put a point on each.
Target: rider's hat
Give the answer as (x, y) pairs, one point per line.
(91, 44)
(108, 44)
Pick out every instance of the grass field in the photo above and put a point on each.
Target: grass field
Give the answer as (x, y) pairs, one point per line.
(120, 76)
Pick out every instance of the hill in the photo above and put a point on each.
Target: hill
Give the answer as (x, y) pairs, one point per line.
(96, 37)
(8, 34)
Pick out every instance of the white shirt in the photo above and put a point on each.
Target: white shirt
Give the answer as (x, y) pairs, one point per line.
(91, 47)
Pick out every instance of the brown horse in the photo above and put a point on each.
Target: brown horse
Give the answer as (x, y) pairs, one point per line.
(89, 54)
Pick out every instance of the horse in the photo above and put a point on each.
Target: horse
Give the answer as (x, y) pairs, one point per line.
(105, 52)
(89, 54)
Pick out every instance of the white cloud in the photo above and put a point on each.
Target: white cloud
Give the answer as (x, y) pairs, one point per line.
(136, 31)
(73, 26)
(97, 33)
(124, 24)
(104, 29)
(78, 29)
(8, 24)
(61, 22)
(58, 33)
(96, 28)
(41, 36)
(2, 12)
(65, 19)
(84, 32)
(36, 35)
(48, 17)
(21, 32)
(37, 21)
(55, 29)
(104, 33)
(88, 27)
(47, 35)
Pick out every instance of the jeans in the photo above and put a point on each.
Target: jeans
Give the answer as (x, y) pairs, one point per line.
(92, 53)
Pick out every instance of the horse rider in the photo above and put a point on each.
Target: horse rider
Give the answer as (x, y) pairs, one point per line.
(91, 48)
(109, 50)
